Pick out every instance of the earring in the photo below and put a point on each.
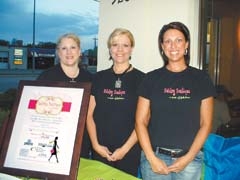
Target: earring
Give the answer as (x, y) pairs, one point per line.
(186, 51)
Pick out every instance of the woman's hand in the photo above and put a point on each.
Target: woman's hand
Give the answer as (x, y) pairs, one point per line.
(158, 166)
(104, 152)
(179, 164)
(118, 154)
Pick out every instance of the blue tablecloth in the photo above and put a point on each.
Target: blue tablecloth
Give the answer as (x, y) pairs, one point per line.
(222, 158)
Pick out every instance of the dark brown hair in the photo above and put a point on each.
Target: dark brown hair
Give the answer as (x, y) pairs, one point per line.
(180, 27)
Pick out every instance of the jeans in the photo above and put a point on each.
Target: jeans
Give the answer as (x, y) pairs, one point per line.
(191, 172)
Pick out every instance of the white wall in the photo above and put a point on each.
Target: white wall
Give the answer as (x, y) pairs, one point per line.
(144, 18)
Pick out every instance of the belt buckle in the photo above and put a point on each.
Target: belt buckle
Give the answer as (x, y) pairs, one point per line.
(177, 153)
(173, 153)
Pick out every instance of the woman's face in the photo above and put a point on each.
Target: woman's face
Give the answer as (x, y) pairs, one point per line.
(174, 45)
(121, 49)
(68, 52)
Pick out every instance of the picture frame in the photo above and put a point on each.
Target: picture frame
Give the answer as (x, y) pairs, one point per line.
(43, 135)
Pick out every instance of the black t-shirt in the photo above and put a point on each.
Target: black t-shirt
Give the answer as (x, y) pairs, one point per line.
(56, 74)
(114, 113)
(175, 100)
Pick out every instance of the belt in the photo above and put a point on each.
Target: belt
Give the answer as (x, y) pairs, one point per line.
(175, 153)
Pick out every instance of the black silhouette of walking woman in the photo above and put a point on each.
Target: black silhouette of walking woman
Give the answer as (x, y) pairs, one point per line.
(54, 149)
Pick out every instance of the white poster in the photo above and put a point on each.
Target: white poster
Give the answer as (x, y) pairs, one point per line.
(44, 131)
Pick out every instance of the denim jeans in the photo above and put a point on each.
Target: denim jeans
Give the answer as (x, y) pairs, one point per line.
(191, 172)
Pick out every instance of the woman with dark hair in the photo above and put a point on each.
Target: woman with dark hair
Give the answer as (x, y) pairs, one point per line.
(174, 111)
(182, 28)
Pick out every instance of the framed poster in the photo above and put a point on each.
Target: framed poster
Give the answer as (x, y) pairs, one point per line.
(44, 132)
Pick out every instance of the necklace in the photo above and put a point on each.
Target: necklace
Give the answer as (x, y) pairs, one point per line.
(118, 82)
(72, 79)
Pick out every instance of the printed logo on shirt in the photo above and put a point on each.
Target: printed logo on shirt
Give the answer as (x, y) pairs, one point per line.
(178, 93)
(115, 94)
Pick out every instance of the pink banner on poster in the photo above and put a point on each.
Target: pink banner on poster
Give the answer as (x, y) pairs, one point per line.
(66, 106)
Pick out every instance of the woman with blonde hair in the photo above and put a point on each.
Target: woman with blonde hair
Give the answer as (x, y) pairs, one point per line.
(111, 113)
(68, 69)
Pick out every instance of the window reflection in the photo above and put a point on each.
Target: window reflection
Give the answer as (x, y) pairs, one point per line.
(36, 27)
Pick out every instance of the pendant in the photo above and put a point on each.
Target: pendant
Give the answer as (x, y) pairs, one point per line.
(118, 83)
(72, 80)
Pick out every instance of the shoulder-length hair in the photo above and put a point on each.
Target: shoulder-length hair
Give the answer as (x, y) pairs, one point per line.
(180, 27)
